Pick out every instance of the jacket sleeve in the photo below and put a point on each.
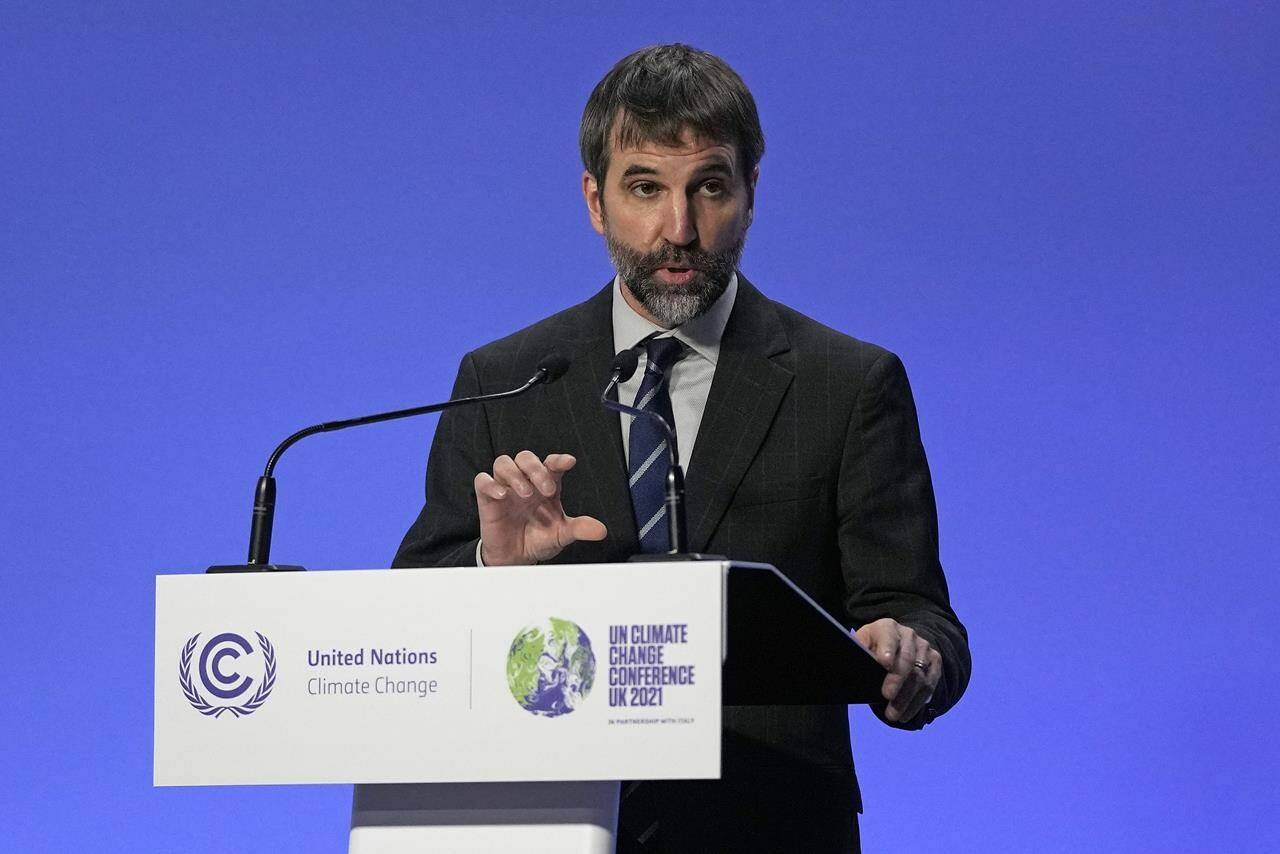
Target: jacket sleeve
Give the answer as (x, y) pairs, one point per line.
(447, 530)
(889, 530)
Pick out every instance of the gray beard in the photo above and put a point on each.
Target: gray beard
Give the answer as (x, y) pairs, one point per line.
(674, 305)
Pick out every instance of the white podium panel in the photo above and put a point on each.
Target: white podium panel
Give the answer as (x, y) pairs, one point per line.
(482, 818)
(498, 674)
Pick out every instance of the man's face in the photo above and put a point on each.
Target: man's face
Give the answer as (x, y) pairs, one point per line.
(675, 219)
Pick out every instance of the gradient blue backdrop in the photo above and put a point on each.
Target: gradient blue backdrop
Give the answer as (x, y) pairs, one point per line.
(220, 222)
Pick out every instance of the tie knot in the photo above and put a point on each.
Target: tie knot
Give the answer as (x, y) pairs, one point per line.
(663, 352)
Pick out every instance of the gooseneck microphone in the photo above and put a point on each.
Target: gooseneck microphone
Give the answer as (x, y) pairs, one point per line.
(550, 369)
(623, 367)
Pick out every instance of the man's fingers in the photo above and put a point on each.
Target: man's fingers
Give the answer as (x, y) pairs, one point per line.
(929, 677)
(560, 463)
(488, 487)
(904, 666)
(906, 652)
(891, 687)
(916, 680)
(881, 639)
(898, 686)
(508, 474)
(536, 473)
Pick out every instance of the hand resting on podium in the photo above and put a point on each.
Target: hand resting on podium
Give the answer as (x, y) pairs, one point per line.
(914, 667)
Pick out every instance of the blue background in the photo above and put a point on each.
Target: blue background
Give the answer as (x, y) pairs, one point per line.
(221, 222)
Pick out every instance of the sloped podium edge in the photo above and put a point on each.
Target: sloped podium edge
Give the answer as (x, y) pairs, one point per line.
(782, 648)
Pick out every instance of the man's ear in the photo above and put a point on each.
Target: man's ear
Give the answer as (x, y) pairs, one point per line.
(595, 204)
(751, 195)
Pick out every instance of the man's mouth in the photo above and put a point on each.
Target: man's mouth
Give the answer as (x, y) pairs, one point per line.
(676, 275)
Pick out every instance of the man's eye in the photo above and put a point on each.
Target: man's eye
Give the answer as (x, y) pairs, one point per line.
(712, 188)
(644, 188)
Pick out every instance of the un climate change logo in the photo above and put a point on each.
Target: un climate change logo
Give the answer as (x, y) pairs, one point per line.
(222, 680)
(551, 668)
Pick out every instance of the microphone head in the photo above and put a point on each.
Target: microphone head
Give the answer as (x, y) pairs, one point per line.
(624, 364)
(553, 365)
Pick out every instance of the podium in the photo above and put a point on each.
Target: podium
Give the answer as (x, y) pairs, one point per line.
(482, 709)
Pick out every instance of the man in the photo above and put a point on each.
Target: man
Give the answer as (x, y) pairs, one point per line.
(802, 447)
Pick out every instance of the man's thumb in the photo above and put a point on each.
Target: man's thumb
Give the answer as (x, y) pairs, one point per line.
(587, 528)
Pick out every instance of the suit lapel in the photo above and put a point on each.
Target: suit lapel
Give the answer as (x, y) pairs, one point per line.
(745, 394)
(601, 470)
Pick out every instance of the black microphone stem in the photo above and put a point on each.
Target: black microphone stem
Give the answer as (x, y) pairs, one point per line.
(330, 426)
(264, 497)
(674, 499)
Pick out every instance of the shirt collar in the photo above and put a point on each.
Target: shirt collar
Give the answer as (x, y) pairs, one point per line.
(702, 334)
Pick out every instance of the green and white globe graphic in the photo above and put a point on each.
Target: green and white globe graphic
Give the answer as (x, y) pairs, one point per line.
(551, 668)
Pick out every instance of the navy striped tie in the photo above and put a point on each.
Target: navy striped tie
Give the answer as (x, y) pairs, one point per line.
(647, 447)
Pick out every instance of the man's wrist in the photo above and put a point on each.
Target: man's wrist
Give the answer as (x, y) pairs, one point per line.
(480, 554)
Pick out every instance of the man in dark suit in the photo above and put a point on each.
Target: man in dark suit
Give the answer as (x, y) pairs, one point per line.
(802, 445)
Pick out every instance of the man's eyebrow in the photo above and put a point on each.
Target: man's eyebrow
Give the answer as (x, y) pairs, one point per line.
(637, 169)
(718, 166)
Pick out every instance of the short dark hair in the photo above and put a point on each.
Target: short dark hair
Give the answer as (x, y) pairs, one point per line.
(654, 94)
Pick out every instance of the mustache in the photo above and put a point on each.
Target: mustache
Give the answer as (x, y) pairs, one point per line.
(693, 259)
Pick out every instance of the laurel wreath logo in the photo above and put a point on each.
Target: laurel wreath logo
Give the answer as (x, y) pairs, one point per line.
(198, 702)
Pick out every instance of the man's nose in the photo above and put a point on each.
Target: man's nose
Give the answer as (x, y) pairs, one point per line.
(680, 229)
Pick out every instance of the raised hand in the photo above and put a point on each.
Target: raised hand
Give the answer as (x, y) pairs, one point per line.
(521, 518)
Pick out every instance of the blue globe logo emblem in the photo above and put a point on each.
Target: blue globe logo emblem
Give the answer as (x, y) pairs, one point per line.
(551, 668)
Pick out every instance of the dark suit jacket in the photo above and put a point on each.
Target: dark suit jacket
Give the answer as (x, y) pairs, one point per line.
(808, 458)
